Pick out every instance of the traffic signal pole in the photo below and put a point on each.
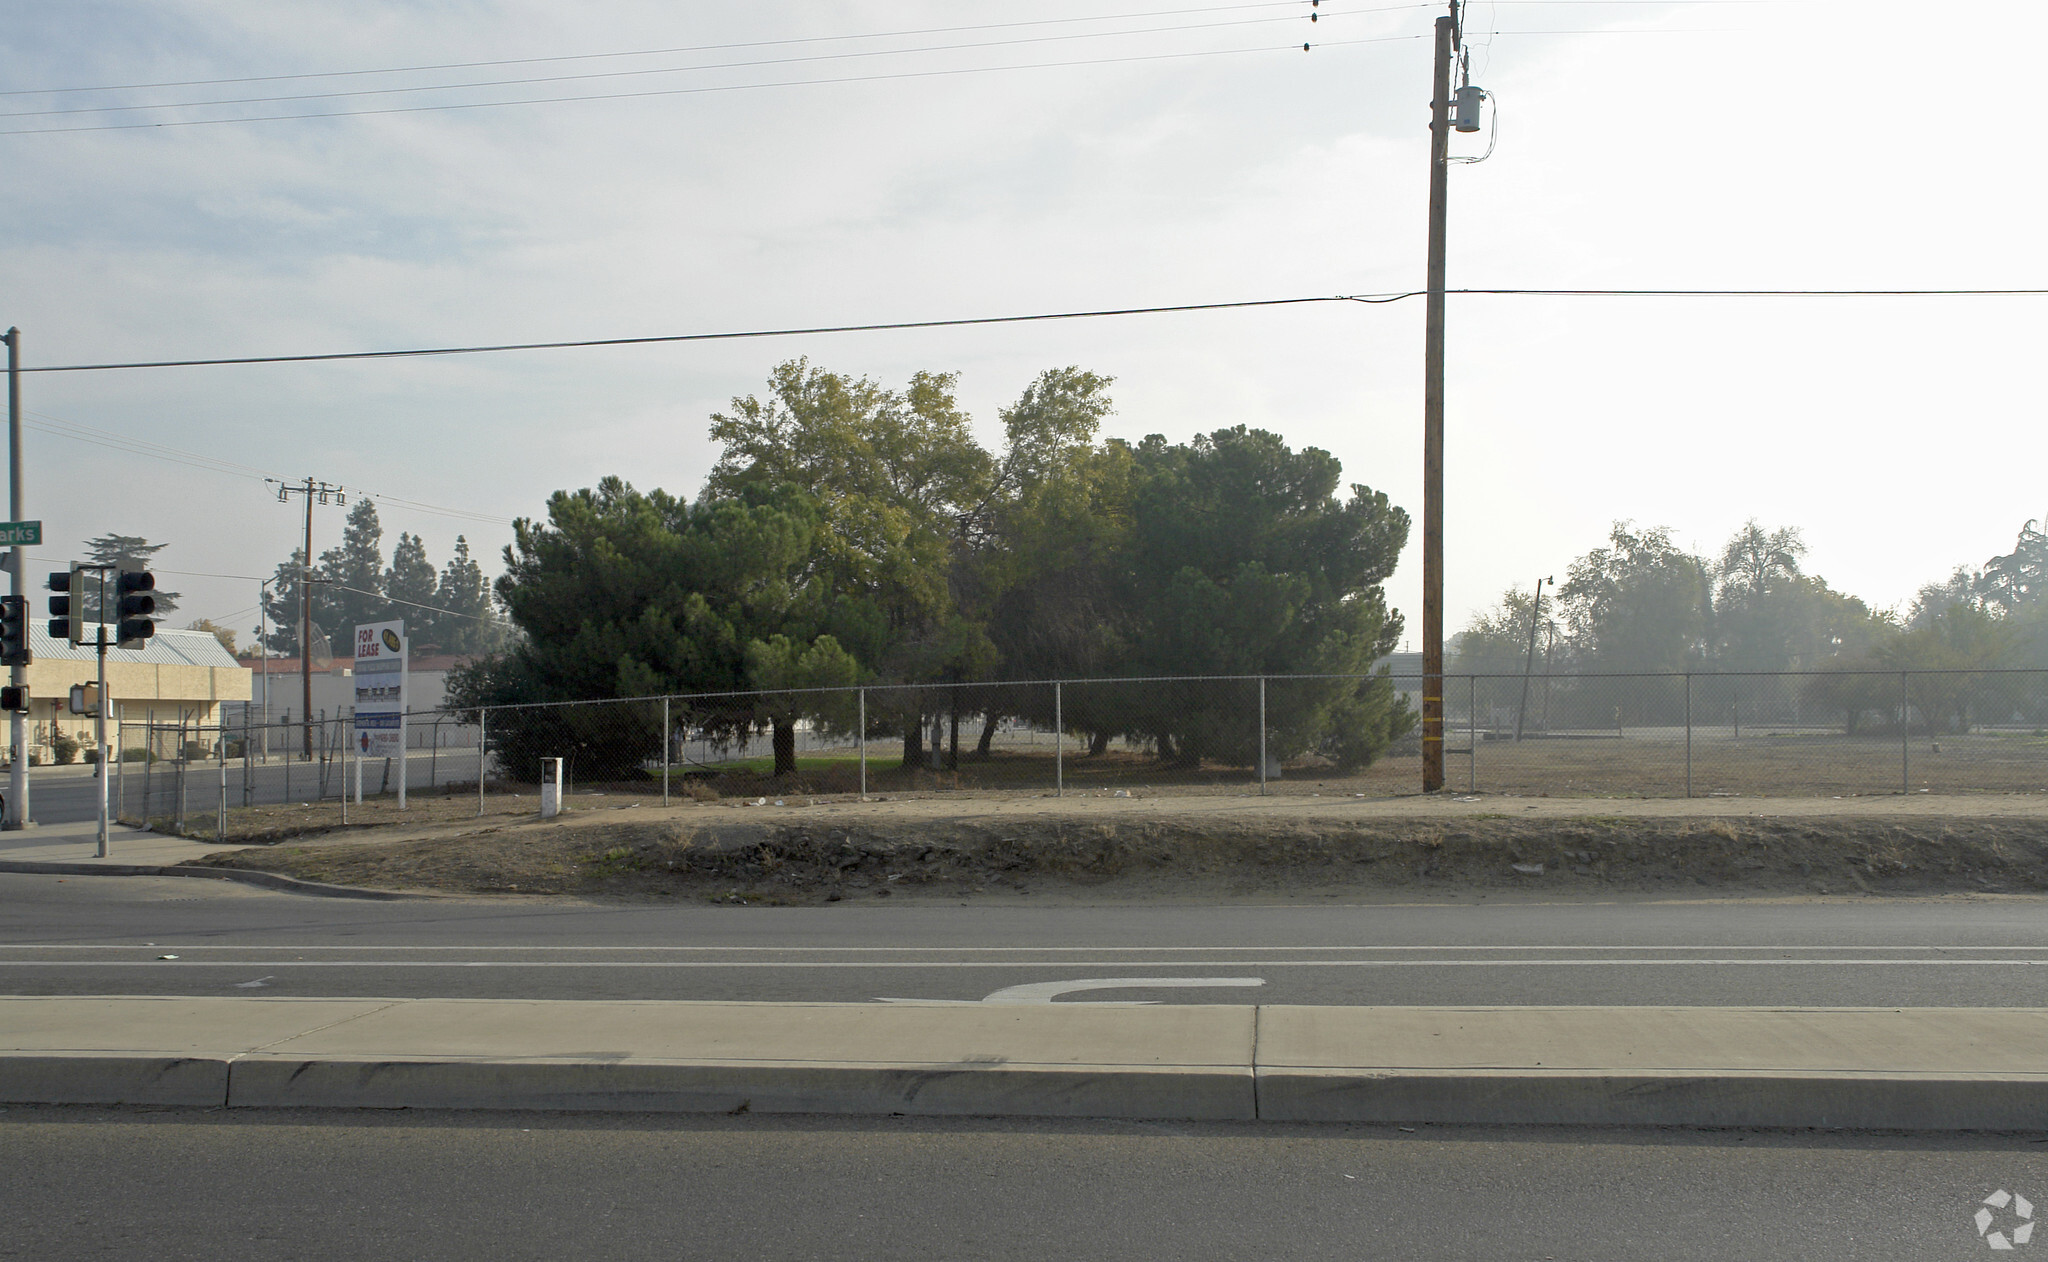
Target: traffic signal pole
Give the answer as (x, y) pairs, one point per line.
(17, 722)
(1433, 414)
(99, 725)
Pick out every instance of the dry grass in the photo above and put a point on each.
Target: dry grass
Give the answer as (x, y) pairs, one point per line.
(1769, 765)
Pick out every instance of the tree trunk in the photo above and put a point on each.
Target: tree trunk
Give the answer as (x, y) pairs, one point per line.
(988, 736)
(785, 747)
(913, 744)
(953, 736)
(1098, 744)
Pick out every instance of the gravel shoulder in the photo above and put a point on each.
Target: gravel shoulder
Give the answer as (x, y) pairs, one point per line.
(1098, 849)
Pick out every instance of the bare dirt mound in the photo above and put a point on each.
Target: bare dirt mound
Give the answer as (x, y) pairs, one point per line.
(798, 859)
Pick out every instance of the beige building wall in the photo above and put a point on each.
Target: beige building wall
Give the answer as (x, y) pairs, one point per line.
(178, 678)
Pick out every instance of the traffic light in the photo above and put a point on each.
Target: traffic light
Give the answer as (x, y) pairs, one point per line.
(14, 650)
(134, 605)
(67, 611)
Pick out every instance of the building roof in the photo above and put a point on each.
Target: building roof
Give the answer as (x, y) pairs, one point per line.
(168, 647)
(344, 665)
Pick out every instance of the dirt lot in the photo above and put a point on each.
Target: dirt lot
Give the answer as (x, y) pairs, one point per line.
(1107, 847)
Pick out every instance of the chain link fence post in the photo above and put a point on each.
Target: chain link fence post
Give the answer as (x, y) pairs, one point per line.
(220, 820)
(667, 740)
(1059, 765)
(482, 715)
(1471, 734)
(1905, 729)
(863, 744)
(178, 825)
(1262, 736)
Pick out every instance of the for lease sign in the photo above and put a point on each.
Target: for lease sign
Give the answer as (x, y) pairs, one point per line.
(380, 689)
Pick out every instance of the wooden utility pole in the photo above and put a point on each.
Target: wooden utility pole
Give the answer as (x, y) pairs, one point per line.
(1433, 413)
(284, 494)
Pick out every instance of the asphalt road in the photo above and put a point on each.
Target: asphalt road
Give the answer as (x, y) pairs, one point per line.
(173, 1185)
(102, 935)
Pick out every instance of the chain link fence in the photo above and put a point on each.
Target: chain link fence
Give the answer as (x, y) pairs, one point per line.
(1827, 733)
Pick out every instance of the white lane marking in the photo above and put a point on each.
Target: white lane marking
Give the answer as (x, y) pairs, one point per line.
(1046, 992)
(995, 964)
(257, 984)
(963, 950)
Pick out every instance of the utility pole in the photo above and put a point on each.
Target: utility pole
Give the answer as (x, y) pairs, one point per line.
(1528, 666)
(17, 722)
(1433, 412)
(310, 489)
(263, 657)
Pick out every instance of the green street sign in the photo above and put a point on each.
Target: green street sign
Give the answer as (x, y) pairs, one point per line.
(26, 534)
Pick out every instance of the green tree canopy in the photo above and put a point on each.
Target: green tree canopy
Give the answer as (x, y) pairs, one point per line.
(1243, 560)
(410, 586)
(470, 623)
(1639, 604)
(129, 550)
(625, 594)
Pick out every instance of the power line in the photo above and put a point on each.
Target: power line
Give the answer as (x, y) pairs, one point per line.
(797, 40)
(414, 603)
(44, 423)
(666, 70)
(1097, 313)
(729, 87)
(700, 48)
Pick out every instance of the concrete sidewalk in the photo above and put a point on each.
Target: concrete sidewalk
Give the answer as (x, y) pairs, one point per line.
(1936, 1068)
(78, 842)
(73, 850)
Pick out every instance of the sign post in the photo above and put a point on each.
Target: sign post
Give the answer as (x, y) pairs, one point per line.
(380, 693)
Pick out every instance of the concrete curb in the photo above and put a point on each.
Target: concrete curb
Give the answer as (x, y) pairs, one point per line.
(960, 1090)
(1932, 1069)
(1853, 1102)
(87, 1078)
(247, 876)
(1706, 1098)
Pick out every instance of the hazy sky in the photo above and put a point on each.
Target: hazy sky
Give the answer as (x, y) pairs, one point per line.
(1778, 144)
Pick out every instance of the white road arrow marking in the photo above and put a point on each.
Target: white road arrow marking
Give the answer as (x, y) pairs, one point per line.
(1046, 992)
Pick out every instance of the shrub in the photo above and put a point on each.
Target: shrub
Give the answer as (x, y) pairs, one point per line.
(64, 747)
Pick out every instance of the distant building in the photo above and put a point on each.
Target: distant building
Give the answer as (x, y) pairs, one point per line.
(180, 676)
(334, 687)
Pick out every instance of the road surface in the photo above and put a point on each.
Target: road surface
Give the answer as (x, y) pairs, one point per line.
(170, 1185)
(102, 935)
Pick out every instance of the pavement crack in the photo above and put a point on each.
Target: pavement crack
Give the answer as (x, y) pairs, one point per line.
(353, 1016)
